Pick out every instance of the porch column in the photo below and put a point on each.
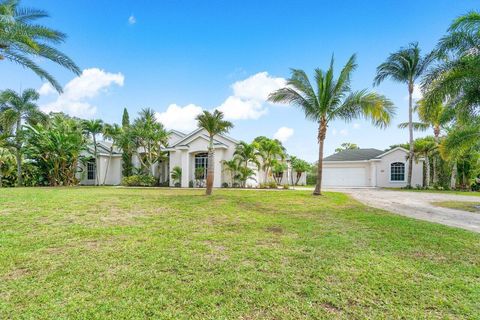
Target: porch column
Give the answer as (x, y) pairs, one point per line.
(185, 168)
(217, 182)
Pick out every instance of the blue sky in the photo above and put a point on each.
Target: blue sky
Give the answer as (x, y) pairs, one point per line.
(226, 54)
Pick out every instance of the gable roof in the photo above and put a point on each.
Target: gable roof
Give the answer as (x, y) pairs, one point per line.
(355, 155)
(185, 139)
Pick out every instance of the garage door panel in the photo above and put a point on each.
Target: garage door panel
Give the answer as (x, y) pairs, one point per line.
(344, 177)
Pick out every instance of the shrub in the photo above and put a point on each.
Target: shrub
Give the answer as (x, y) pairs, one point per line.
(177, 185)
(224, 185)
(190, 184)
(272, 185)
(286, 186)
(139, 181)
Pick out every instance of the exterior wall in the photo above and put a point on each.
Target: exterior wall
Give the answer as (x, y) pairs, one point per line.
(113, 176)
(364, 165)
(383, 170)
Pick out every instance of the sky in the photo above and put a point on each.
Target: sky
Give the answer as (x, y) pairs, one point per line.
(182, 57)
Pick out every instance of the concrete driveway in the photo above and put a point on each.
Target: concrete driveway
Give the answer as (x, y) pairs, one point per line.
(418, 205)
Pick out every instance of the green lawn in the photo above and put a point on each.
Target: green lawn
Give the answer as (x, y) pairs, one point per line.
(113, 253)
(459, 205)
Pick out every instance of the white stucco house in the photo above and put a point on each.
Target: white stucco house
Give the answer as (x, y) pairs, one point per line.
(370, 168)
(187, 151)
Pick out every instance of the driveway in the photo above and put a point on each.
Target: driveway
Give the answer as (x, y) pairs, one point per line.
(418, 205)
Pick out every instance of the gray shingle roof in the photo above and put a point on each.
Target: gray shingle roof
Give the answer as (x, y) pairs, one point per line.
(354, 155)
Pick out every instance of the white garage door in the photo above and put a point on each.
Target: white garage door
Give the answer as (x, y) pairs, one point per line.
(344, 177)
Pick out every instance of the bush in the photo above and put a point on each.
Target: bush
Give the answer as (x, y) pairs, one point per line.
(190, 184)
(177, 184)
(272, 185)
(286, 186)
(224, 185)
(139, 181)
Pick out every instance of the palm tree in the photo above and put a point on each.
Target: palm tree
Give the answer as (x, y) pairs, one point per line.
(332, 99)
(405, 66)
(424, 148)
(149, 137)
(269, 151)
(176, 174)
(431, 115)
(246, 153)
(92, 128)
(232, 166)
(214, 124)
(16, 108)
(112, 133)
(21, 40)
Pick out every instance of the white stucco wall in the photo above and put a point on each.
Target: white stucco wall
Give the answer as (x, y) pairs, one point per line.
(383, 170)
(113, 176)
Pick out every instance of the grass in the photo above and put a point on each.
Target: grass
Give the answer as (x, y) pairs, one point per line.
(115, 253)
(459, 205)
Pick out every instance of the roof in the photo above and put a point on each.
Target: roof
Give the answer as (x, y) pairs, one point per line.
(184, 141)
(355, 155)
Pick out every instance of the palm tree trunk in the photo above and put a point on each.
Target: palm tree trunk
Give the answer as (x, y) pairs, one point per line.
(436, 132)
(322, 132)
(210, 167)
(97, 179)
(18, 154)
(427, 171)
(410, 132)
(453, 177)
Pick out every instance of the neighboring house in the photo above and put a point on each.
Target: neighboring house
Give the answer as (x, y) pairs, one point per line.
(88, 170)
(370, 168)
(188, 151)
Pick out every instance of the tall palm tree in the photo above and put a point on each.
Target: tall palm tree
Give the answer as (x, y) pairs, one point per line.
(15, 109)
(332, 99)
(269, 151)
(424, 148)
(214, 124)
(21, 40)
(92, 128)
(406, 66)
(113, 133)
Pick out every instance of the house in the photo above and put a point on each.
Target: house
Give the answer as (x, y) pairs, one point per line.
(370, 168)
(187, 151)
(108, 165)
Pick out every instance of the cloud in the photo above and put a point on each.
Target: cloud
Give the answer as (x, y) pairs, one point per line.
(344, 132)
(179, 118)
(283, 134)
(46, 89)
(356, 126)
(77, 92)
(249, 99)
(132, 20)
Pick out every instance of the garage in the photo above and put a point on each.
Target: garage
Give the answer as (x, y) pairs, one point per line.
(344, 176)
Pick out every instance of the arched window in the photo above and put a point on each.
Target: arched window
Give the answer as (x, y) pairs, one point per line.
(397, 171)
(201, 162)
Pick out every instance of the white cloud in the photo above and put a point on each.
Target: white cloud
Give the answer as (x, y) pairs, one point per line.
(417, 93)
(79, 90)
(46, 89)
(334, 132)
(283, 134)
(344, 132)
(132, 20)
(179, 118)
(257, 87)
(356, 126)
(249, 99)
(236, 108)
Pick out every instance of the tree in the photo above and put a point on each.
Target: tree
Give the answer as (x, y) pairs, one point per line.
(176, 175)
(270, 151)
(149, 137)
(246, 153)
(424, 148)
(406, 66)
(299, 166)
(92, 128)
(6, 163)
(278, 170)
(233, 167)
(15, 109)
(214, 124)
(22, 41)
(332, 99)
(112, 132)
(126, 143)
(347, 146)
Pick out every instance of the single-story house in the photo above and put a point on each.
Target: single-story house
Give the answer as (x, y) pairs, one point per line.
(187, 151)
(370, 168)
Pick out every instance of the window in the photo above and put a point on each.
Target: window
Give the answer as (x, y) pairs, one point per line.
(91, 170)
(397, 171)
(201, 161)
